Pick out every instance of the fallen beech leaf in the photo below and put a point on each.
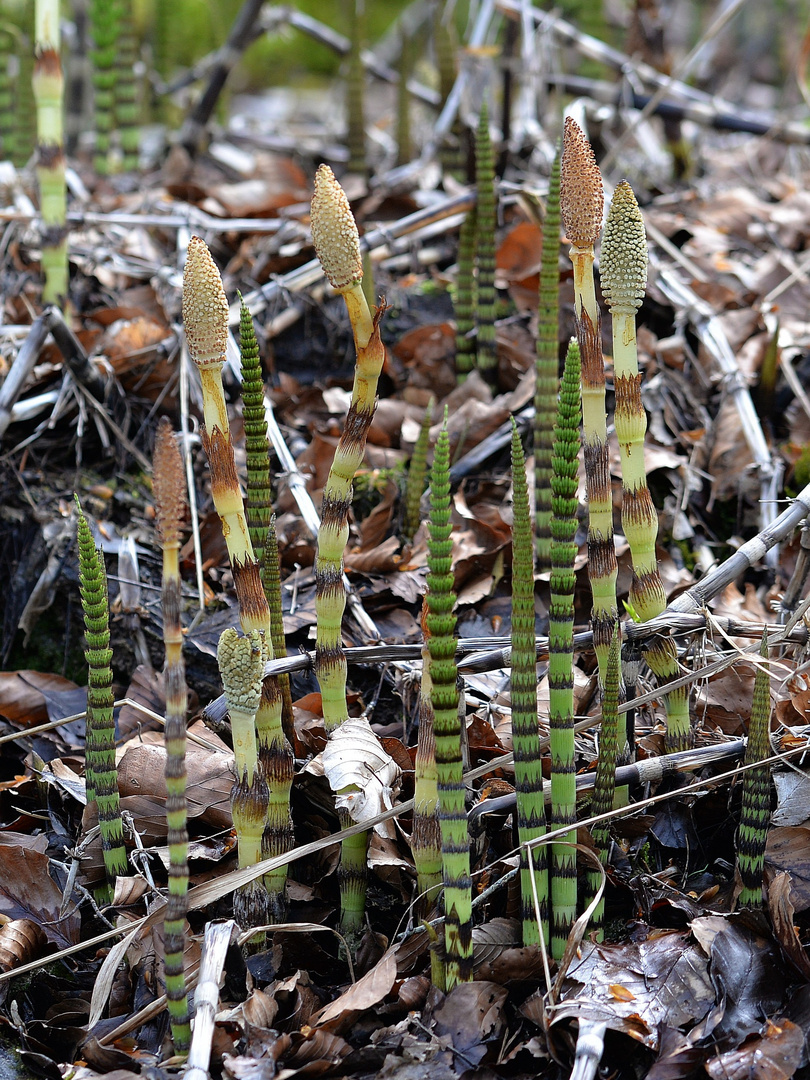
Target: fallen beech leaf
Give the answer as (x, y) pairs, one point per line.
(27, 891)
(621, 993)
(472, 1015)
(364, 994)
(20, 942)
(776, 1055)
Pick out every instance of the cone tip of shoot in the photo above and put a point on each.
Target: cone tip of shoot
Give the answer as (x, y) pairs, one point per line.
(582, 197)
(205, 308)
(241, 667)
(623, 261)
(168, 484)
(334, 232)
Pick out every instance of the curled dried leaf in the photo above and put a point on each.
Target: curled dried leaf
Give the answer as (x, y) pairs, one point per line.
(360, 771)
(21, 941)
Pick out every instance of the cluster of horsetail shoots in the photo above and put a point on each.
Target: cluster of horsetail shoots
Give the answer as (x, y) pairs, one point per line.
(531, 814)
(466, 295)
(102, 778)
(205, 314)
(755, 812)
(334, 233)
(417, 471)
(259, 498)
(561, 651)
(170, 506)
(581, 205)
(485, 349)
(623, 270)
(441, 624)
(547, 366)
(426, 840)
(604, 787)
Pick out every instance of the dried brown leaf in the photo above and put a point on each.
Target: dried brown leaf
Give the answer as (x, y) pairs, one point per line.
(27, 891)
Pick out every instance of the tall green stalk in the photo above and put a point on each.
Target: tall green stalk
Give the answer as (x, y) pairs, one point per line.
(48, 86)
(126, 89)
(404, 143)
(426, 839)
(466, 303)
(755, 813)
(531, 811)
(415, 484)
(104, 26)
(102, 778)
(485, 346)
(548, 364)
(605, 783)
(355, 89)
(623, 268)
(170, 506)
(337, 243)
(581, 205)
(441, 625)
(561, 651)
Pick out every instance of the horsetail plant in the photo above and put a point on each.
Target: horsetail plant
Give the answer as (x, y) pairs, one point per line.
(531, 812)
(170, 507)
(581, 205)
(205, 314)
(355, 89)
(259, 500)
(415, 484)
(126, 89)
(337, 244)
(605, 782)
(755, 812)
(102, 778)
(547, 366)
(485, 218)
(561, 651)
(441, 625)
(623, 269)
(104, 27)
(426, 839)
(48, 86)
(466, 296)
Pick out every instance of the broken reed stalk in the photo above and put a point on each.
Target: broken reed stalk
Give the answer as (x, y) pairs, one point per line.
(547, 366)
(205, 314)
(581, 204)
(48, 86)
(563, 877)
(337, 244)
(104, 28)
(102, 778)
(466, 296)
(604, 787)
(623, 270)
(755, 813)
(417, 470)
(169, 486)
(441, 626)
(426, 839)
(259, 498)
(485, 346)
(531, 812)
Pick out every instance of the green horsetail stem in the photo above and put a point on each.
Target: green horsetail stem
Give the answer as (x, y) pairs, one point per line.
(547, 366)
(259, 498)
(531, 811)
(466, 296)
(441, 626)
(581, 205)
(355, 89)
(561, 652)
(102, 778)
(104, 27)
(451, 151)
(205, 314)
(126, 89)
(605, 782)
(169, 487)
(485, 346)
(241, 666)
(404, 144)
(426, 839)
(755, 813)
(337, 244)
(623, 269)
(49, 88)
(415, 484)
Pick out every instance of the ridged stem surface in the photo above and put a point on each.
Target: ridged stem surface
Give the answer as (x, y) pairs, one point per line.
(426, 840)
(563, 878)
(547, 369)
(755, 813)
(104, 25)
(486, 220)
(531, 811)
(417, 470)
(441, 625)
(126, 89)
(605, 783)
(466, 295)
(102, 777)
(355, 89)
